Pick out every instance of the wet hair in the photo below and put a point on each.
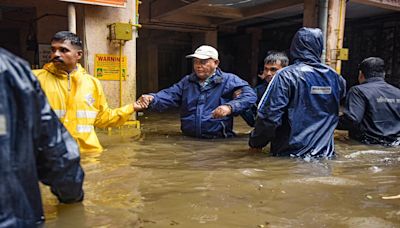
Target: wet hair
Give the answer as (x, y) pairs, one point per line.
(66, 35)
(276, 56)
(372, 67)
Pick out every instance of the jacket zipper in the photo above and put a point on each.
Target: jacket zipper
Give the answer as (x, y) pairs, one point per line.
(69, 82)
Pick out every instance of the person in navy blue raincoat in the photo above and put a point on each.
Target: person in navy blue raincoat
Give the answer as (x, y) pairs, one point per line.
(372, 109)
(34, 146)
(299, 111)
(205, 97)
(273, 62)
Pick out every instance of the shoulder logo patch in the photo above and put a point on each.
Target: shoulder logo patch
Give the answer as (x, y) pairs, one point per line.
(321, 90)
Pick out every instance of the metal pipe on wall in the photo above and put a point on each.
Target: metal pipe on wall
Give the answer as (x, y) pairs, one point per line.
(322, 24)
(71, 18)
(339, 45)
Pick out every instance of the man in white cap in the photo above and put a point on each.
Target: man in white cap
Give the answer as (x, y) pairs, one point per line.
(205, 97)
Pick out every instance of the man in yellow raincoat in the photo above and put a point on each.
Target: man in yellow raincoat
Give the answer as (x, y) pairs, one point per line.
(77, 97)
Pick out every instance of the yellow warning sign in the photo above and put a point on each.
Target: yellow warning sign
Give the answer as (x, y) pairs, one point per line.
(106, 67)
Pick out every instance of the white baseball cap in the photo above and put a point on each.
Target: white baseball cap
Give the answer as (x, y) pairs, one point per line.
(204, 52)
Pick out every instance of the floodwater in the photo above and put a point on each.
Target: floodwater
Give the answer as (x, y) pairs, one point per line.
(160, 178)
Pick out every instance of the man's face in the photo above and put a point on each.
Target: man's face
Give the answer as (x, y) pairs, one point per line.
(269, 70)
(204, 68)
(64, 55)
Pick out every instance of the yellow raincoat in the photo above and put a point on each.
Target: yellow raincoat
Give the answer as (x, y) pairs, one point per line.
(80, 103)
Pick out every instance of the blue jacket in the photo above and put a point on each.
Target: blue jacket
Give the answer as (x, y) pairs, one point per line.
(249, 115)
(299, 111)
(196, 103)
(372, 112)
(34, 146)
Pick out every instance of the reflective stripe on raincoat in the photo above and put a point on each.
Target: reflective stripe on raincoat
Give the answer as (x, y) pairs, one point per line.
(80, 103)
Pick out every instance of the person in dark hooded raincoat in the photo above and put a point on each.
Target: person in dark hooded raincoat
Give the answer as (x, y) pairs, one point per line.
(299, 111)
(34, 146)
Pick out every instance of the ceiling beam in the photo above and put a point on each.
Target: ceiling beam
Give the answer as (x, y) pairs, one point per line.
(177, 27)
(160, 7)
(385, 4)
(186, 19)
(214, 11)
(164, 8)
(264, 9)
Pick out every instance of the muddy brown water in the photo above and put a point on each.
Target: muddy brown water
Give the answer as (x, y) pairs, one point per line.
(160, 178)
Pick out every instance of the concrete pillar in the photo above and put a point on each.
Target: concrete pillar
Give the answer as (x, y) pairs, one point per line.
(256, 35)
(322, 24)
(197, 40)
(95, 27)
(310, 13)
(342, 21)
(211, 38)
(208, 38)
(71, 18)
(152, 68)
(335, 34)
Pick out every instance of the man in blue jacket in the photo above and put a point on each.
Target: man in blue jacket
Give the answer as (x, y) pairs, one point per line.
(205, 97)
(273, 62)
(372, 109)
(299, 111)
(34, 146)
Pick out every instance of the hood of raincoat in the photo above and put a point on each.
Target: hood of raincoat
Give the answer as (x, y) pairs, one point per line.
(307, 46)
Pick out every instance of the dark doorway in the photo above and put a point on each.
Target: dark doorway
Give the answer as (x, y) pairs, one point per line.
(18, 31)
(9, 40)
(172, 64)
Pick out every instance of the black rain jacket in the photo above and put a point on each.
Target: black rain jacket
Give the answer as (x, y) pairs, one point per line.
(372, 113)
(34, 146)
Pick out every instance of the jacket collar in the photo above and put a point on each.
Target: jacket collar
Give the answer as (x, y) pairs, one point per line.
(216, 78)
(63, 74)
(374, 79)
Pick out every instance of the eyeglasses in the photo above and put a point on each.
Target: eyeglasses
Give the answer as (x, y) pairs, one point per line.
(201, 61)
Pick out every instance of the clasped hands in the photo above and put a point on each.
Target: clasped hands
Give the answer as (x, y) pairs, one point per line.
(145, 100)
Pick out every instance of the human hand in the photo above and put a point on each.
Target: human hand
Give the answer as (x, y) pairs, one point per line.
(236, 94)
(255, 149)
(143, 102)
(261, 76)
(138, 106)
(221, 111)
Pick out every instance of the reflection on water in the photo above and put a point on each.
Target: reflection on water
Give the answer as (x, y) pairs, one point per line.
(162, 179)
